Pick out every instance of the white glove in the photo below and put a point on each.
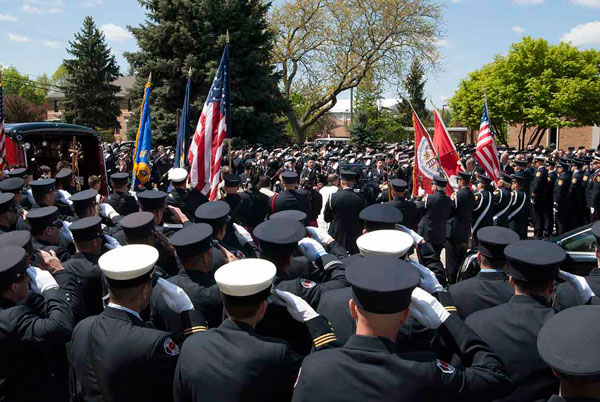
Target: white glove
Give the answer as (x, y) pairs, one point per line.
(417, 238)
(421, 192)
(311, 249)
(107, 211)
(111, 242)
(41, 280)
(174, 296)
(298, 308)
(429, 281)
(66, 234)
(242, 234)
(583, 291)
(64, 197)
(320, 235)
(427, 310)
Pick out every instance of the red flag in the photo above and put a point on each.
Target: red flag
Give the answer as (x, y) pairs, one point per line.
(443, 145)
(426, 163)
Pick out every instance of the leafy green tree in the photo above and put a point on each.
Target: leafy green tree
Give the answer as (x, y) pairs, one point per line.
(59, 77)
(191, 33)
(536, 85)
(20, 84)
(91, 97)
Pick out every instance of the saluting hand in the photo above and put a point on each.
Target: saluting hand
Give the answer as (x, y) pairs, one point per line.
(174, 296)
(41, 280)
(298, 308)
(427, 309)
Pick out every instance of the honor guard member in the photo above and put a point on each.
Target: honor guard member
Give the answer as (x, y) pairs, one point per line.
(538, 198)
(187, 200)
(139, 228)
(569, 343)
(240, 363)
(438, 207)
(115, 356)
(8, 212)
(84, 203)
(226, 246)
(334, 304)
(483, 213)
(235, 201)
(490, 287)
(565, 296)
(562, 203)
(120, 199)
(22, 173)
(43, 194)
(408, 208)
(549, 199)
(577, 195)
(83, 266)
(502, 200)
(594, 184)
(35, 323)
(517, 213)
(46, 230)
(290, 197)
(194, 251)
(342, 212)
(511, 328)
(85, 206)
(14, 185)
(521, 166)
(278, 239)
(63, 181)
(368, 366)
(459, 225)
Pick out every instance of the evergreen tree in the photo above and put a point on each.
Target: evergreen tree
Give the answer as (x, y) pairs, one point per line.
(414, 85)
(362, 133)
(91, 98)
(191, 33)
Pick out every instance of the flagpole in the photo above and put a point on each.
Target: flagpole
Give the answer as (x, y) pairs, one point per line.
(228, 140)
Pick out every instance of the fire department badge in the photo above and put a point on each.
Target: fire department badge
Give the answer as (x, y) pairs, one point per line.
(171, 347)
(445, 367)
(307, 284)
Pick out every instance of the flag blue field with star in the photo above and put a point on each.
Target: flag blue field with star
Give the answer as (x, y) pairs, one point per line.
(143, 143)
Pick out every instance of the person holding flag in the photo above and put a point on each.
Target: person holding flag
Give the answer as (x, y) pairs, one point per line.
(143, 143)
(183, 132)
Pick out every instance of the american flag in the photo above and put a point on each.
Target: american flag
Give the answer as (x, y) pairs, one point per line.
(2, 145)
(486, 152)
(213, 127)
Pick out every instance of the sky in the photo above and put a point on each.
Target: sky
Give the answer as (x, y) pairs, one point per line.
(34, 33)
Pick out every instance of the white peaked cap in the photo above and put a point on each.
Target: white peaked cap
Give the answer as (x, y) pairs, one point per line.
(384, 242)
(128, 262)
(177, 174)
(245, 277)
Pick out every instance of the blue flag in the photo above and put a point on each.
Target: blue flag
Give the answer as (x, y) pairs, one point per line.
(183, 133)
(143, 143)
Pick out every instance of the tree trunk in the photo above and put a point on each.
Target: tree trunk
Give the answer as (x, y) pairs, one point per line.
(541, 137)
(299, 131)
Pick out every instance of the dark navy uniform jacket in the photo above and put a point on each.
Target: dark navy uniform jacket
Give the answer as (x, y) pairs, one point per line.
(438, 207)
(487, 289)
(234, 363)
(511, 331)
(33, 364)
(115, 356)
(342, 210)
(370, 369)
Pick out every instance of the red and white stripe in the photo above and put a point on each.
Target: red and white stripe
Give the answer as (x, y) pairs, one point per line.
(486, 152)
(205, 151)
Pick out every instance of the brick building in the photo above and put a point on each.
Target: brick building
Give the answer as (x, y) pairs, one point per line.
(55, 105)
(563, 138)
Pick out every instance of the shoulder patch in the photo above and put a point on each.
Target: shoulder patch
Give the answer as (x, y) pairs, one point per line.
(496, 191)
(598, 178)
(308, 284)
(574, 180)
(538, 174)
(171, 347)
(560, 182)
(549, 179)
(477, 196)
(445, 367)
(585, 178)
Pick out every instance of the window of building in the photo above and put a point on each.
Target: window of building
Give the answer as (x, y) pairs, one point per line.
(55, 106)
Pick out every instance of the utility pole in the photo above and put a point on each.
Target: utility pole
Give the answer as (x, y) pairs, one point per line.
(351, 105)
